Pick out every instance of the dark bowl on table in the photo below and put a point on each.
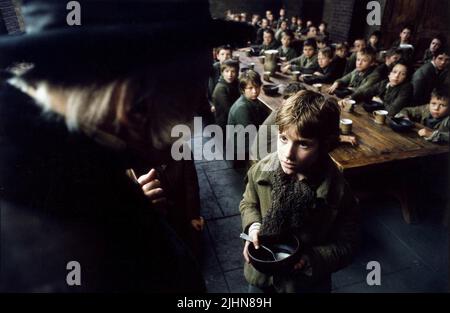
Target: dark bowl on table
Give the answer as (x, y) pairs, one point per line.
(287, 251)
(343, 92)
(399, 124)
(371, 106)
(270, 89)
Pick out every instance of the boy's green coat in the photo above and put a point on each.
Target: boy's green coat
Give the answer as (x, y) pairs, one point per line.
(331, 237)
(361, 82)
(394, 98)
(305, 63)
(420, 114)
(224, 95)
(245, 112)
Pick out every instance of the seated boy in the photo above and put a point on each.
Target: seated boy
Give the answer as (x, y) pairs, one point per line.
(285, 50)
(226, 92)
(247, 110)
(437, 42)
(358, 45)
(299, 190)
(321, 43)
(433, 115)
(340, 58)
(269, 42)
(430, 76)
(395, 92)
(374, 41)
(392, 56)
(404, 43)
(223, 53)
(362, 77)
(327, 72)
(307, 62)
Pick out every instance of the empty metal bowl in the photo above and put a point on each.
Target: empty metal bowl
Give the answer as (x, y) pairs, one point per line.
(286, 251)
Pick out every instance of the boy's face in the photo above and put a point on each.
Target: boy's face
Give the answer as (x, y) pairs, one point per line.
(229, 74)
(251, 91)
(323, 60)
(341, 53)
(286, 41)
(405, 35)
(312, 32)
(373, 40)
(363, 62)
(282, 12)
(392, 59)
(435, 44)
(283, 25)
(296, 154)
(322, 27)
(267, 38)
(264, 23)
(223, 55)
(398, 75)
(321, 44)
(308, 51)
(441, 61)
(359, 45)
(438, 107)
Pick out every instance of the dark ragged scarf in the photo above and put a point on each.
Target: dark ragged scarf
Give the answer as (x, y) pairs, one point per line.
(292, 203)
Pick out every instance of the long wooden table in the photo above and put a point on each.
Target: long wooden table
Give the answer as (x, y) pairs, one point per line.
(378, 145)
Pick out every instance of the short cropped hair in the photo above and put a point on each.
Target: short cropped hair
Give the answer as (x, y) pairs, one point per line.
(269, 31)
(223, 47)
(249, 77)
(342, 45)
(327, 52)
(368, 51)
(229, 64)
(310, 42)
(313, 116)
(287, 33)
(439, 51)
(440, 93)
(393, 51)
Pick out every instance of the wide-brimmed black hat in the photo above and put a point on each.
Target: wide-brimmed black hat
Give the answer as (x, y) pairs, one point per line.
(115, 33)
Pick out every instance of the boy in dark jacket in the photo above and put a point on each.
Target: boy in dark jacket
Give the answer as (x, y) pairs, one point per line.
(223, 53)
(435, 116)
(269, 42)
(327, 72)
(307, 62)
(395, 92)
(363, 77)
(358, 45)
(247, 110)
(226, 92)
(298, 190)
(285, 50)
(430, 76)
(390, 59)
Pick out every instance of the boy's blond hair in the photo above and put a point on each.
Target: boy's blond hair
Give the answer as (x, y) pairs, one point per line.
(368, 51)
(313, 116)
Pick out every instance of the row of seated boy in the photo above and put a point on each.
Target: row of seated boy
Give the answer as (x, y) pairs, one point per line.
(388, 81)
